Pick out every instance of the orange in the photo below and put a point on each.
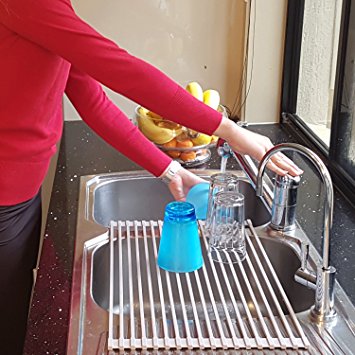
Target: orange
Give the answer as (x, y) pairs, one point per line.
(186, 143)
(173, 153)
(186, 156)
(170, 144)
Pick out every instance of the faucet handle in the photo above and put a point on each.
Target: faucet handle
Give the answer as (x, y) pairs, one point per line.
(220, 142)
(223, 148)
(303, 275)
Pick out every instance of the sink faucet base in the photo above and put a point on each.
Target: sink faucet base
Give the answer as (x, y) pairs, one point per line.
(323, 310)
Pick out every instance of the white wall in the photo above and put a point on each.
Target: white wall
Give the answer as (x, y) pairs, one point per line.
(265, 61)
(318, 61)
(200, 40)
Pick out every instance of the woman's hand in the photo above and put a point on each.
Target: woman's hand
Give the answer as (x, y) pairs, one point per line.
(244, 141)
(182, 182)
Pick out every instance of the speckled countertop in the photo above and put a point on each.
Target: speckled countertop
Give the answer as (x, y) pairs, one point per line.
(83, 153)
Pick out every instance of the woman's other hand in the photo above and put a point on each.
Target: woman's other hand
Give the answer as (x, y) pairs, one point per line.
(182, 182)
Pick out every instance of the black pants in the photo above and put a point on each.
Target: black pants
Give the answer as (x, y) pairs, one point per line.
(19, 240)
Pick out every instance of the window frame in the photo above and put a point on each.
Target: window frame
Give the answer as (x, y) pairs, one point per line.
(289, 119)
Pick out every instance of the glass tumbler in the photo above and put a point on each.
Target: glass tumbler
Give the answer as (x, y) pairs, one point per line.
(219, 182)
(180, 247)
(227, 238)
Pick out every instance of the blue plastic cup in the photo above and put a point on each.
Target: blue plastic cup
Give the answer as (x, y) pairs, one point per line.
(198, 197)
(180, 247)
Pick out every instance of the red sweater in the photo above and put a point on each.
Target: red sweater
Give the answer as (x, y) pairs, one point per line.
(46, 50)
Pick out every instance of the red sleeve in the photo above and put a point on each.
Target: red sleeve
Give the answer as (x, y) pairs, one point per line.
(98, 111)
(54, 25)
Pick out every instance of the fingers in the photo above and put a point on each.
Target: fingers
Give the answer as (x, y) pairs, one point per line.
(189, 179)
(285, 160)
(182, 183)
(176, 188)
(281, 161)
(272, 166)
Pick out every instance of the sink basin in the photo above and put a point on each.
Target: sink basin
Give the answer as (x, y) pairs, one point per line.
(139, 196)
(279, 254)
(146, 197)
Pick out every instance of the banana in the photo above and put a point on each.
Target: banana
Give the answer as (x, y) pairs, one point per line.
(211, 98)
(154, 116)
(201, 139)
(154, 133)
(143, 111)
(195, 89)
(214, 139)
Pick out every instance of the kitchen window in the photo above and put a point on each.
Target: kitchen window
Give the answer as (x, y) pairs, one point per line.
(318, 99)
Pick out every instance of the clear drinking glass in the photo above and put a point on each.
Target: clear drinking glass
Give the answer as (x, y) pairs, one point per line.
(219, 182)
(227, 238)
(180, 247)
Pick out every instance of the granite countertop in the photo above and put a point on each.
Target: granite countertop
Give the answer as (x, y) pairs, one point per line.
(81, 153)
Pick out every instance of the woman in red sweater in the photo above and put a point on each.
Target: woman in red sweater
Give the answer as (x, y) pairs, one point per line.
(46, 50)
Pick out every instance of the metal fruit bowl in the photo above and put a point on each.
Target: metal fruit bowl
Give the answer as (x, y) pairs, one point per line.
(201, 154)
(187, 156)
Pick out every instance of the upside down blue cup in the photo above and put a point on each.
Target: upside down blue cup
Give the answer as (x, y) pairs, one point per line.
(180, 247)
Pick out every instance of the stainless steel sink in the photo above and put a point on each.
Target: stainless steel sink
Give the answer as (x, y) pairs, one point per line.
(139, 196)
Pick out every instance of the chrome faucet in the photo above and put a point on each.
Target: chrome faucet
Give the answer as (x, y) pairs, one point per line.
(283, 218)
(282, 204)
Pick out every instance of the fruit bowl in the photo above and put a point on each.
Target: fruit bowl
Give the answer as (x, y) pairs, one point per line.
(188, 147)
(189, 157)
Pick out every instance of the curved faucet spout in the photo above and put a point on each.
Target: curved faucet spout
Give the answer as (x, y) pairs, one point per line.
(324, 173)
(323, 310)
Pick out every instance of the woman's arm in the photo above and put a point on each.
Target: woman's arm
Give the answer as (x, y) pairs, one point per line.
(104, 117)
(110, 123)
(246, 142)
